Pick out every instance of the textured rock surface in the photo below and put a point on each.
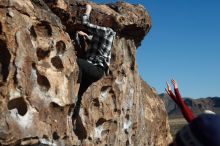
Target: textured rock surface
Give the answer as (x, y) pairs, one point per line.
(38, 79)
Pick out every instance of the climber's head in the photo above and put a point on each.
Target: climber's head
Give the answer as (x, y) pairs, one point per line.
(202, 131)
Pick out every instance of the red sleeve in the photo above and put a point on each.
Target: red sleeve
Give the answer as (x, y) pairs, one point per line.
(173, 97)
(187, 113)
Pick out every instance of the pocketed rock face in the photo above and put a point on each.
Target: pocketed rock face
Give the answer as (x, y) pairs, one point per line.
(38, 79)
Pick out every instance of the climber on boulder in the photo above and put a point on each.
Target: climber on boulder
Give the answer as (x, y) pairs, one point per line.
(98, 54)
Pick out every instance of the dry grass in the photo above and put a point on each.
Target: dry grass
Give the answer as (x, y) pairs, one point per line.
(176, 124)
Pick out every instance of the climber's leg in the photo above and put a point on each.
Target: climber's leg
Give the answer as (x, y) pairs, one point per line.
(90, 73)
(96, 72)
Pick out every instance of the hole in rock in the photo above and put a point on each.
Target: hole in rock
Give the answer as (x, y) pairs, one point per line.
(61, 47)
(45, 137)
(126, 131)
(33, 33)
(54, 105)
(127, 143)
(0, 28)
(119, 112)
(34, 65)
(5, 57)
(19, 104)
(55, 136)
(15, 77)
(100, 121)
(43, 82)
(127, 116)
(65, 137)
(96, 102)
(132, 67)
(43, 29)
(41, 54)
(104, 88)
(98, 141)
(57, 62)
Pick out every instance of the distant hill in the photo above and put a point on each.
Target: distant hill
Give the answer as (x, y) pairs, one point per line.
(197, 105)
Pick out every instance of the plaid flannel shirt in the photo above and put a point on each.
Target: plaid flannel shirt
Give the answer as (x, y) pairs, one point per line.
(99, 52)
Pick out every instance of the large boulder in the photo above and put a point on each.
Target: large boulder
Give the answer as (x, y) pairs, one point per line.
(38, 79)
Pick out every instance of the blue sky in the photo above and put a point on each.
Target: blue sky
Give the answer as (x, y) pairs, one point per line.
(183, 43)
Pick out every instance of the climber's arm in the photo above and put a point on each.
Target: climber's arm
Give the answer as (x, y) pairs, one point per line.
(170, 93)
(83, 34)
(187, 113)
(92, 28)
(88, 9)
